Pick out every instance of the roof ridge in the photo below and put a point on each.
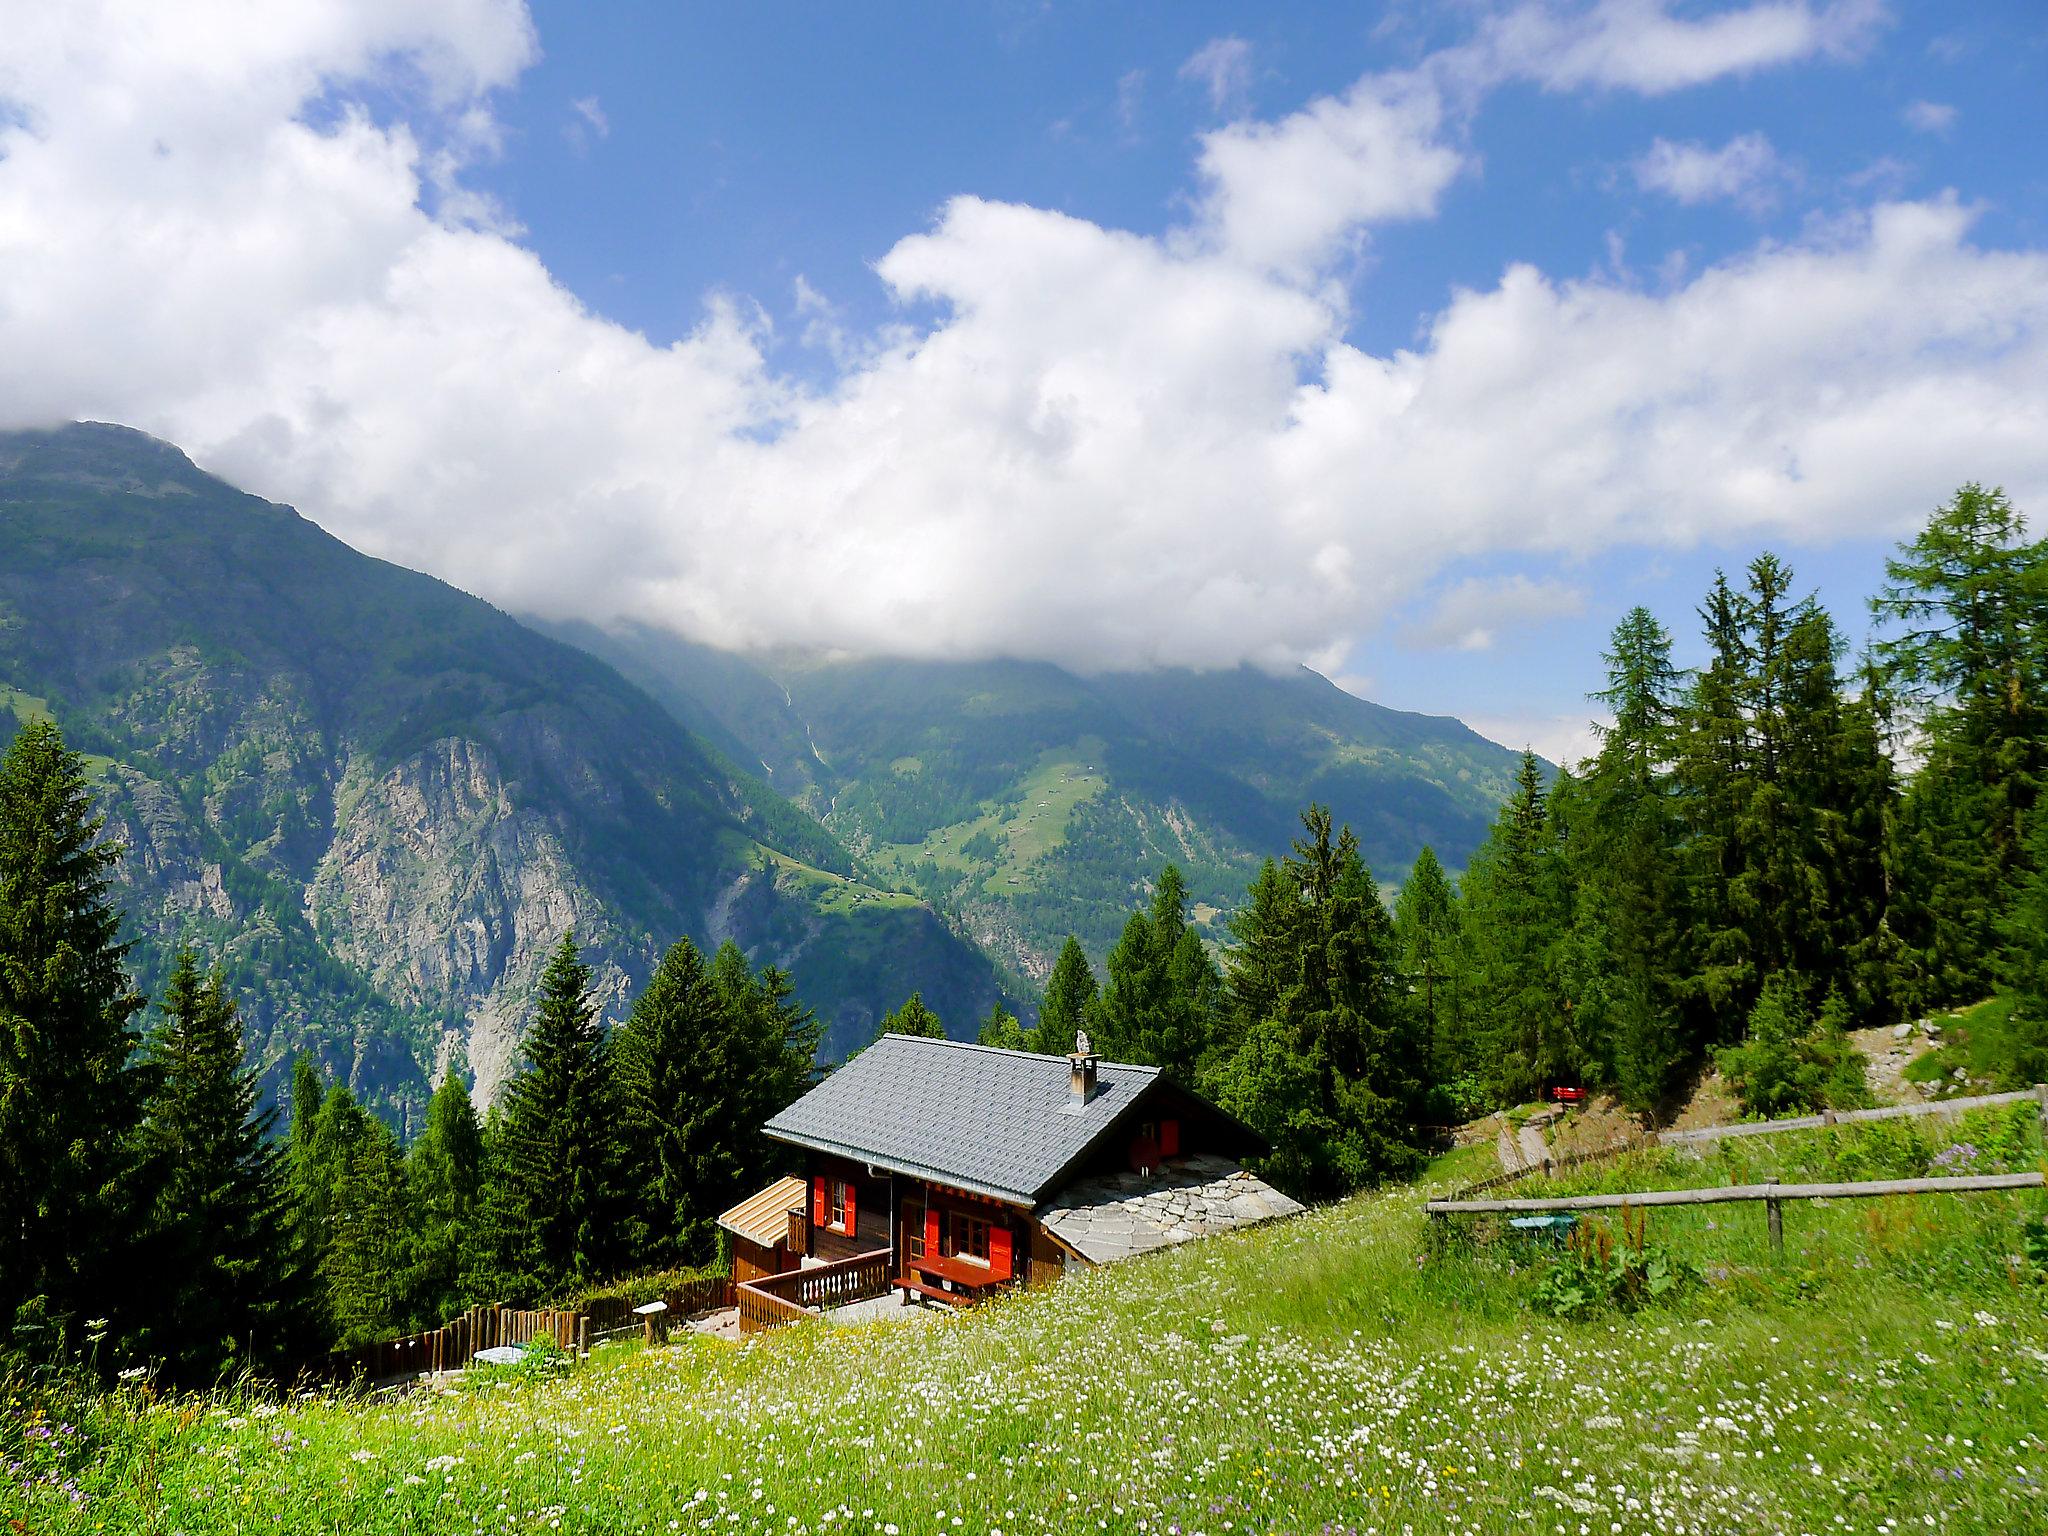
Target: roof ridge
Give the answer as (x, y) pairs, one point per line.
(1004, 1050)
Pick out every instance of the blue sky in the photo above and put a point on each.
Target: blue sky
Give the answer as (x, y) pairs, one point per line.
(1141, 398)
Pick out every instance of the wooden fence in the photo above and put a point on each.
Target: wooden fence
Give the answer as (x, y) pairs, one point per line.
(1773, 1195)
(615, 1314)
(795, 1294)
(452, 1346)
(2038, 1093)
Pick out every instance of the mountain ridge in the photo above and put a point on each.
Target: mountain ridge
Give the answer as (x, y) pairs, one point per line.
(377, 799)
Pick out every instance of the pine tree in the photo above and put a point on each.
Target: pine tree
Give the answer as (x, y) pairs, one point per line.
(443, 1173)
(913, 1018)
(1330, 1071)
(1426, 938)
(705, 1056)
(1069, 1004)
(1628, 918)
(1514, 922)
(70, 1096)
(369, 1262)
(560, 1137)
(1001, 1029)
(1159, 1006)
(225, 1269)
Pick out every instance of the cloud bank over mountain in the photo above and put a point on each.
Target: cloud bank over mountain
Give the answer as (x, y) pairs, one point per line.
(1080, 443)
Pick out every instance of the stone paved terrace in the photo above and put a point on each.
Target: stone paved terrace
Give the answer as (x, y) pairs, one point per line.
(1107, 1219)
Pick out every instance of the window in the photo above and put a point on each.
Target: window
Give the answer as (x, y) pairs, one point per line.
(913, 1229)
(837, 1190)
(965, 1237)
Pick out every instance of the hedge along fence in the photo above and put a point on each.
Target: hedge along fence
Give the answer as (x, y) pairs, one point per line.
(1773, 1195)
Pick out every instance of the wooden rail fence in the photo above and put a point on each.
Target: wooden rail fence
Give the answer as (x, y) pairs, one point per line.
(1773, 1195)
(771, 1300)
(2038, 1093)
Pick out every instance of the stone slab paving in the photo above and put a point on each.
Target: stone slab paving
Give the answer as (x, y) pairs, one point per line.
(1111, 1218)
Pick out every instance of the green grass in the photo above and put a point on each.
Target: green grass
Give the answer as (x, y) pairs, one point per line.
(1025, 824)
(1981, 1041)
(1339, 1372)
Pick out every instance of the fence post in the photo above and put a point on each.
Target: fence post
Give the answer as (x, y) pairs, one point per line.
(2041, 1099)
(1775, 1211)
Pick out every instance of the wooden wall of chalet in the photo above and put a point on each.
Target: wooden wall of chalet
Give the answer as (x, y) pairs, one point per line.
(750, 1260)
(1047, 1259)
(870, 1211)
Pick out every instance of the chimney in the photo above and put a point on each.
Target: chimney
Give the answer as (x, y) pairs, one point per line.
(1083, 1064)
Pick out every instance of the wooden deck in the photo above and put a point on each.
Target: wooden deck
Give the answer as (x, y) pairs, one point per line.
(795, 1295)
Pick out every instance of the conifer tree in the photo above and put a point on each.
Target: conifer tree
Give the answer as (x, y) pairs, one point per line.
(1069, 1004)
(1331, 1072)
(1426, 937)
(561, 1145)
(1002, 1030)
(369, 1262)
(1967, 658)
(1514, 921)
(225, 1277)
(1628, 918)
(1159, 1005)
(913, 1018)
(70, 1095)
(705, 1056)
(443, 1174)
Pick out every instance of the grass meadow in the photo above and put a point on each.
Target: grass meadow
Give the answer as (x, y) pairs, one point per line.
(1343, 1372)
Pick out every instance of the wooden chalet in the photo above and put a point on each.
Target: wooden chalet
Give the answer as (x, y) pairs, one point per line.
(947, 1171)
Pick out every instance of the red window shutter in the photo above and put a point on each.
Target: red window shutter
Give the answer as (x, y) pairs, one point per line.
(999, 1252)
(931, 1231)
(820, 1211)
(1169, 1138)
(852, 1225)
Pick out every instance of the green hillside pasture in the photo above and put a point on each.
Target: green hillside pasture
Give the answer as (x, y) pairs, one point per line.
(1015, 832)
(1335, 1373)
(828, 892)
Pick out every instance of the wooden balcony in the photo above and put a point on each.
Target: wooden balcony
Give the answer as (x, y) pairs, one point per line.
(771, 1300)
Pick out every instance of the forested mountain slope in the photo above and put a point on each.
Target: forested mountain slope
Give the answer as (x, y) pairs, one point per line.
(377, 800)
(1037, 802)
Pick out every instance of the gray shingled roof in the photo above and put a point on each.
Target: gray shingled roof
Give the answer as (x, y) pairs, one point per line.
(991, 1121)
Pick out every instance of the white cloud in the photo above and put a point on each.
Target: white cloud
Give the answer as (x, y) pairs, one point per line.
(1284, 195)
(1566, 740)
(1472, 614)
(1745, 170)
(1130, 99)
(588, 120)
(1638, 45)
(1222, 67)
(1106, 449)
(1929, 116)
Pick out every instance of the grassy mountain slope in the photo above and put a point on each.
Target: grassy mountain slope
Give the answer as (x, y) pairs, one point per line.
(1035, 802)
(1338, 1372)
(380, 800)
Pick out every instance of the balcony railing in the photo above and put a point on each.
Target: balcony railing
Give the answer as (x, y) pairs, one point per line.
(796, 1294)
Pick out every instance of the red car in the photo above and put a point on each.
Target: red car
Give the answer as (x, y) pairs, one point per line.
(1567, 1095)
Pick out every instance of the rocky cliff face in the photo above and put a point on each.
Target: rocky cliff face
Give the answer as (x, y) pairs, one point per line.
(378, 802)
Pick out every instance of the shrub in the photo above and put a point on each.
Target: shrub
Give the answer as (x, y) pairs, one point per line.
(1791, 1064)
(1597, 1272)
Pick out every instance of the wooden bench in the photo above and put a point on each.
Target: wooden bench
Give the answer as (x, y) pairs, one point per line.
(911, 1285)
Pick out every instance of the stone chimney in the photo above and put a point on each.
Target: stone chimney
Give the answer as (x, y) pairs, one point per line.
(1083, 1064)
